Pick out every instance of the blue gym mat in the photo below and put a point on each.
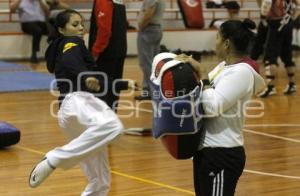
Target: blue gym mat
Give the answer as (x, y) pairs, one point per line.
(24, 81)
(5, 66)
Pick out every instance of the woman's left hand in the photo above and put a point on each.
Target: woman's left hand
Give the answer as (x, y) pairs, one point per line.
(92, 83)
(132, 85)
(189, 59)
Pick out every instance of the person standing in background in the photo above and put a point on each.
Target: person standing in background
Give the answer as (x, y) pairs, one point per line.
(258, 44)
(148, 40)
(259, 40)
(278, 14)
(33, 16)
(108, 42)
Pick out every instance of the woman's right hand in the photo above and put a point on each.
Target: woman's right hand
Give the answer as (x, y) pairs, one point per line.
(92, 83)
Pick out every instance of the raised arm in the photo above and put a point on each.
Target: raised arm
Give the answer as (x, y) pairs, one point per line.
(14, 6)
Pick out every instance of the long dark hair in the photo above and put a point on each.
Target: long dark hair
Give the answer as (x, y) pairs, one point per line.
(239, 33)
(60, 21)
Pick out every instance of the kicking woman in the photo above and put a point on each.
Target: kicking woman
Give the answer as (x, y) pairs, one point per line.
(89, 123)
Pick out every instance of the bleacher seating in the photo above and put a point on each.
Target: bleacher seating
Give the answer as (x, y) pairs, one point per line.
(15, 43)
(172, 16)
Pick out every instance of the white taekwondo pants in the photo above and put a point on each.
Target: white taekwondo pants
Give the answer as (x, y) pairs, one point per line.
(90, 125)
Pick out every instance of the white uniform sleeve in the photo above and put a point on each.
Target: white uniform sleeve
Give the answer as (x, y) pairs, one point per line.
(228, 90)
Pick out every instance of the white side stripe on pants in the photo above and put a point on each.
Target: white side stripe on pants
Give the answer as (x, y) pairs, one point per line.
(222, 182)
(214, 186)
(218, 184)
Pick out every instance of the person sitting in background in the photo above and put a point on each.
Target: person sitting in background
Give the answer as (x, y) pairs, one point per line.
(33, 16)
(232, 7)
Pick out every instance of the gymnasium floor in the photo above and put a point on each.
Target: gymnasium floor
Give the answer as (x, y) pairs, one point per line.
(140, 165)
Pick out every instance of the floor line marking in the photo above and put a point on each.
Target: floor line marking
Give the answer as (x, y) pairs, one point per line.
(272, 136)
(153, 182)
(272, 174)
(272, 125)
(122, 174)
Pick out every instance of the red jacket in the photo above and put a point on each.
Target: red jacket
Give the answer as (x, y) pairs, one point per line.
(103, 14)
(108, 29)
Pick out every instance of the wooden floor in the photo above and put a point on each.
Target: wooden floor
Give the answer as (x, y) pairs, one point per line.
(140, 165)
